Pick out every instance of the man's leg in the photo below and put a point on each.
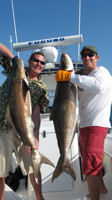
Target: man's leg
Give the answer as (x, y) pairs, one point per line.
(93, 187)
(25, 162)
(96, 187)
(6, 146)
(37, 186)
(91, 142)
(103, 189)
(2, 188)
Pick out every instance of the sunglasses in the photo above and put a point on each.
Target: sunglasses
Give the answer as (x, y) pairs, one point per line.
(37, 61)
(87, 54)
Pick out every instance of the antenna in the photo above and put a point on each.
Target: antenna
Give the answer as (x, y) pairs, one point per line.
(14, 22)
(58, 41)
(79, 29)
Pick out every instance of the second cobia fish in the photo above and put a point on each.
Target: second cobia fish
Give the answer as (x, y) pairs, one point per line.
(19, 113)
(64, 116)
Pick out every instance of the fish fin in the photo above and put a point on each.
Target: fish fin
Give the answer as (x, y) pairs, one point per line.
(45, 160)
(25, 84)
(25, 87)
(76, 130)
(38, 159)
(77, 127)
(63, 166)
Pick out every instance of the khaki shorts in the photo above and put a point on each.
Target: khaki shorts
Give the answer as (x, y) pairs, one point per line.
(10, 143)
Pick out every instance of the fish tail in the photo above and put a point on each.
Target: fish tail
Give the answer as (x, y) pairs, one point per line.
(45, 160)
(63, 166)
(37, 160)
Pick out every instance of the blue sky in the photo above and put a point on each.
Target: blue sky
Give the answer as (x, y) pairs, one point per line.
(37, 19)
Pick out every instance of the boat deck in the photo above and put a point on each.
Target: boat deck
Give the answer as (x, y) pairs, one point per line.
(10, 195)
(23, 194)
(78, 190)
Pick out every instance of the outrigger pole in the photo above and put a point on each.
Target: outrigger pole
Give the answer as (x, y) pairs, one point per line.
(14, 23)
(79, 29)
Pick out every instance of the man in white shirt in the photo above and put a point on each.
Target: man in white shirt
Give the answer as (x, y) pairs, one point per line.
(95, 97)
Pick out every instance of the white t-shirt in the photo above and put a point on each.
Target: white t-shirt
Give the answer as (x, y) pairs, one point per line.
(95, 97)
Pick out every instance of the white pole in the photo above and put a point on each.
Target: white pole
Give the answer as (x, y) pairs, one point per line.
(10, 40)
(79, 29)
(14, 22)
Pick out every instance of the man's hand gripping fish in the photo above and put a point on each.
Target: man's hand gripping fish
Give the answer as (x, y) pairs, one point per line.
(64, 116)
(19, 113)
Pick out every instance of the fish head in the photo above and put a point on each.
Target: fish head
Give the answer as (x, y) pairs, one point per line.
(17, 73)
(18, 69)
(66, 62)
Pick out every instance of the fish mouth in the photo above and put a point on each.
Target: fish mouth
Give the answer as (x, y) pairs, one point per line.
(66, 62)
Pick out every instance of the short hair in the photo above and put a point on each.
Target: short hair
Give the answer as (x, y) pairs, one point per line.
(36, 53)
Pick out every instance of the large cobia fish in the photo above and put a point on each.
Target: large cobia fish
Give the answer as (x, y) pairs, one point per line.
(19, 113)
(64, 117)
